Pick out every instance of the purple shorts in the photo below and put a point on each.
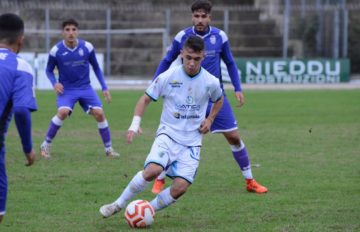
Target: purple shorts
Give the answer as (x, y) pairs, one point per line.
(87, 99)
(225, 120)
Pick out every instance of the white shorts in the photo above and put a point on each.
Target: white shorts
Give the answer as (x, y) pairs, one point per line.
(178, 160)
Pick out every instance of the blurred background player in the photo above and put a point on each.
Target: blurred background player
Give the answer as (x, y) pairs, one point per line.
(217, 47)
(179, 135)
(72, 57)
(16, 95)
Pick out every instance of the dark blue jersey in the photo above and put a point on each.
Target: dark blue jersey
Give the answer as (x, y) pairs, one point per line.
(74, 65)
(217, 47)
(16, 91)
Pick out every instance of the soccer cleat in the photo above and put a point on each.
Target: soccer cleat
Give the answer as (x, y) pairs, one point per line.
(253, 186)
(109, 209)
(158, 186)
(45, 150)
(112, 153)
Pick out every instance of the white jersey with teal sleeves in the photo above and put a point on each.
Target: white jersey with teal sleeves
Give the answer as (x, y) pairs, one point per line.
(185, 100)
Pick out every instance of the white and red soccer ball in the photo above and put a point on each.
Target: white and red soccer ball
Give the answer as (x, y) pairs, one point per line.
(139, 214)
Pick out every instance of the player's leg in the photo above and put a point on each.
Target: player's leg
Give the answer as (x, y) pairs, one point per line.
(91, 104)
(65, 104)
(139, 182)
(154, 165)
(241, 156)
(104, 131)
(170, 194)
(3, 184)
(225, 123)
(55, 124)
(183, 172)
(136, 185)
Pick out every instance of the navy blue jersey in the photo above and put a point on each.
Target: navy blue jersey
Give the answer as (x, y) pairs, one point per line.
(217, 47)
(74, 65)
(16, 88)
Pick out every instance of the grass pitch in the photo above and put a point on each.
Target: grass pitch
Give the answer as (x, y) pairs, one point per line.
(304, 145)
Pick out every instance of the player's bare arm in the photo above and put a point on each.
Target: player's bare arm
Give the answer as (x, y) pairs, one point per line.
(107, 96)
(240, 98)
(140, 108)
(59, 88)
(30, 158)
(206, 124)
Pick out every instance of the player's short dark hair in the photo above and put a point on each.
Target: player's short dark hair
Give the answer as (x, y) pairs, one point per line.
(195, 43)
(11, 27)
(201, 5)
(70, 22)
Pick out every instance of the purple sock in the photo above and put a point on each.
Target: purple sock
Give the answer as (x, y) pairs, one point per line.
(52, 130)
(241, 156)
(105, 136)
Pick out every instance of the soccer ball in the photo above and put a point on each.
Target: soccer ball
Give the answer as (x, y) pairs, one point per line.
(139, 214)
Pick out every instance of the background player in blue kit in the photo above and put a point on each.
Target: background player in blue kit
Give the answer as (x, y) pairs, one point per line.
(16, 95)
(72, 57)
(217, 47)
(186, 90)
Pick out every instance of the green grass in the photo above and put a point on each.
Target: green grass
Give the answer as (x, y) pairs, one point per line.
(307, 144)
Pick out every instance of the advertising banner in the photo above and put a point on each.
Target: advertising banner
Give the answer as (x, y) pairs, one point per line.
(297, 71)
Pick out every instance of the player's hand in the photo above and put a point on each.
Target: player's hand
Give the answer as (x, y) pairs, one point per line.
(240, 98)
(59, 88)
(30, 158)
(205, 126)
(107, 96)
(131, 134)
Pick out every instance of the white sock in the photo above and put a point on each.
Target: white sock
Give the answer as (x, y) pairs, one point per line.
(136, 185)
(247, 174)
(161, 176)
(162, 200)
(57, 121)
(102, 125)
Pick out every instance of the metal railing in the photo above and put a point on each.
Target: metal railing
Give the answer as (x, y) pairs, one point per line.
(317, 28)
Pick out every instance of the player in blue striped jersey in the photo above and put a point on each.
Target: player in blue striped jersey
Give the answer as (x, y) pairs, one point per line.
(16, 95)
(73, 57)
(217, 47)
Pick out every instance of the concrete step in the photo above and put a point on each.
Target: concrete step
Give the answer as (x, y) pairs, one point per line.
(133, 69)
(253, 28)
(136, 55)
(257, 51)
(255, 41)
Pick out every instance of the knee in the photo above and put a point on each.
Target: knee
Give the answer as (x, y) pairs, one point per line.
(152, 171)
(98, 115)
(177, 191)
(63, 113)
(234, 139)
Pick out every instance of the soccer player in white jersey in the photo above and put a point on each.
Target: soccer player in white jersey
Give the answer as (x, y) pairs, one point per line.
(217, 47)
(72, 57)
(186, 90)
(16, 95)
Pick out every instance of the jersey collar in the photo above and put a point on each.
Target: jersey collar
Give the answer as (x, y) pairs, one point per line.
(71, 49)
(202, 36)
(191, 77)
